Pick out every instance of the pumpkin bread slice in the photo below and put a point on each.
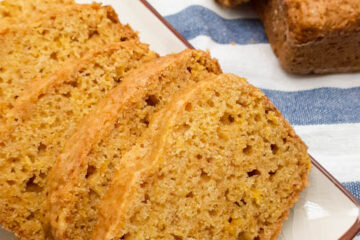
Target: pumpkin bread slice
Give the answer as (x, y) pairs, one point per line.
(42, 119)
(41, 48)
(218, 162)
(84, 169)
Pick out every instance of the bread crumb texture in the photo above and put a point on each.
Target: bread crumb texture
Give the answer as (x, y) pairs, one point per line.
(41, 121)
(219, 162)
(84, 169)
(13, 12)
(39, 49)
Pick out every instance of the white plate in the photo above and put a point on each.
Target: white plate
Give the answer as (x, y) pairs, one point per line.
(325, 210)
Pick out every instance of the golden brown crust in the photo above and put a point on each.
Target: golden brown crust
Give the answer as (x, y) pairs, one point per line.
(146, 156)
(277, 227)
(119, 194)
(67, 180)
(313, 36)
(309, 19)
(231, 3)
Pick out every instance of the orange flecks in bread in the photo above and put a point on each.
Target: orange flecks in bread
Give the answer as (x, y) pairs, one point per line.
(40, 48)
(38, 126)
(84, 169)
(235, 174)
(17, 12)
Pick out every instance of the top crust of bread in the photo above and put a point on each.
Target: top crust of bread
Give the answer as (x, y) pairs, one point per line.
(231, 3)
(308, 20)
(313, 36)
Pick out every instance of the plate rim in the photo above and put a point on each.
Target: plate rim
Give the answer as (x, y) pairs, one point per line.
(355, 228)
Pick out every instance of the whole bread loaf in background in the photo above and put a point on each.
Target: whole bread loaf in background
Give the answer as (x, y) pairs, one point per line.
(313, 36)
(218, 162)
(43, 118)
(80, 178)
(42, 47)
(21, 12)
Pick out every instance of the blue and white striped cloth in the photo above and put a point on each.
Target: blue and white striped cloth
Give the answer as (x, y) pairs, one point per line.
(325, 110)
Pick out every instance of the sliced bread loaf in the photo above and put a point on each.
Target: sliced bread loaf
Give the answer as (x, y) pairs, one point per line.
(14, 12)
(42, 119)
(219, 162)
(39, 49)
(84, 169)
